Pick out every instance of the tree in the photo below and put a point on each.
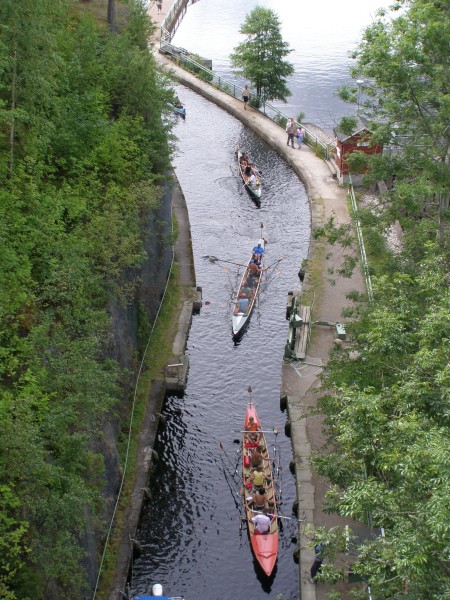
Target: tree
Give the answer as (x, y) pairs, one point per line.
(260, 58)
(82, 147)
(387, 416)
(112, 15)
(387, 422)
(401, 68)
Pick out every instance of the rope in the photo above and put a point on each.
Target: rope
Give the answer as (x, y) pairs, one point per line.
(131, 422)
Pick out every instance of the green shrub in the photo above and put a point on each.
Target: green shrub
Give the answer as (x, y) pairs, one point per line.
(318, 150)
(255, 101)
(281, 121)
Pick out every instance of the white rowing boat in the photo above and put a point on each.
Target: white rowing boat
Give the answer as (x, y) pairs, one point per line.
(247, 293)
(253, 187)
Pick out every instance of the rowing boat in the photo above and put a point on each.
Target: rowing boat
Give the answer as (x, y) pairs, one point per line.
(254, 189)
(264, 546)
(178, 108)
(246, 294)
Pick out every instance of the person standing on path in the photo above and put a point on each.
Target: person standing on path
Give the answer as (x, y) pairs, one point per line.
(300, 135)
(159, 5)
(245, 96)
(290, 130)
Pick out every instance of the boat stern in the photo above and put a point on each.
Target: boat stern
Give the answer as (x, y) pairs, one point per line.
(265, 548)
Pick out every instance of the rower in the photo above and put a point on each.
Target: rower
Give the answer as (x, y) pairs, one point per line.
(258, 250)
(258, 478)
(259, 500)
(254, 268)
(253, 429)
(262, 522)
(242, 303)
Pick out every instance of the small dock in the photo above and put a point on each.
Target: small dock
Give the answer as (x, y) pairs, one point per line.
(299, 328)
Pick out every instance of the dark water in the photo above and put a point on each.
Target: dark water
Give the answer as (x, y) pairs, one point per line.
(320, 34)
(191, 531)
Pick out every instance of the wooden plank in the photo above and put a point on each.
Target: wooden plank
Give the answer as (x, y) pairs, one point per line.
(301, 333)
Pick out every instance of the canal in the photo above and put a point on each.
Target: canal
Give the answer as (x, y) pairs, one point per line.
(192, 537)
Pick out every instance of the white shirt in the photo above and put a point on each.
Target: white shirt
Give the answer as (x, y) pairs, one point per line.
(262, 522)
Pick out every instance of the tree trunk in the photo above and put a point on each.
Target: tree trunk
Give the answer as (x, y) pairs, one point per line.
(112, 15)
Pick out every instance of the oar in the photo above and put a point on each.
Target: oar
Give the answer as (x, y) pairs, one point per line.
(233, 492)
(229, 459)
(276, 516)
(215, 259)
(274, 264)
(258, 431)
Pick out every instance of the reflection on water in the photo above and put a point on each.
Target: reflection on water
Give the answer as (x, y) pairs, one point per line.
(191, 533)
(321, 34)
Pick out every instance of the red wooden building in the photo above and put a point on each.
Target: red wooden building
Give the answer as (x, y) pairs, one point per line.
(359, 139)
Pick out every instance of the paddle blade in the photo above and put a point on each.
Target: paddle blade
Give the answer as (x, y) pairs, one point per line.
(249, 389)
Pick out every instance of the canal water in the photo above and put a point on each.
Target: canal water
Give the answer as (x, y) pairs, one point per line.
(320, 34)
(193, 540)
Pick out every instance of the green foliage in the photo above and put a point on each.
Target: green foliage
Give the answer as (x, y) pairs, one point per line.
(281, 121)
(387, 423)
(402, 63)
(12, 540)
(255, 101)
(357, 161)
(260, 58)
(82, 148)
(318, 150)
(348, 125)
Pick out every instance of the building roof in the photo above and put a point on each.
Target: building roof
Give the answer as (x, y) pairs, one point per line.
(361, 125)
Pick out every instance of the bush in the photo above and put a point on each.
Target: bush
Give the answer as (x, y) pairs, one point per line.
(281, 121)
(255, 101)
(318, 150)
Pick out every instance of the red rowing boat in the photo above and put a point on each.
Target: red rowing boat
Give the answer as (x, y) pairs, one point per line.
(264, 546)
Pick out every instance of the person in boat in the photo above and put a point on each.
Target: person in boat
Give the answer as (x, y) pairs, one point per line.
(258, 478)
(243, 161)
(247, 288)
(247, 291)
(254, 268)
(262, 522)
(244, 157)
(242, 303)
(258, 250)
(259, 499)
(253, 431)
(257, 457)
(251, 281)
(251, 181)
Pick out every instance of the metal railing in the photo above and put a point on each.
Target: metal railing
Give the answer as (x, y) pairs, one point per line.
(182, 58)
(170, 17)
(362, 250)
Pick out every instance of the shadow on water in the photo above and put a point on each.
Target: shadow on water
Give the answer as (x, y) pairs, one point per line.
(190, 529)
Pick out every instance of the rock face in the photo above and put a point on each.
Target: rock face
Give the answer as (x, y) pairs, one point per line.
(130, 326)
